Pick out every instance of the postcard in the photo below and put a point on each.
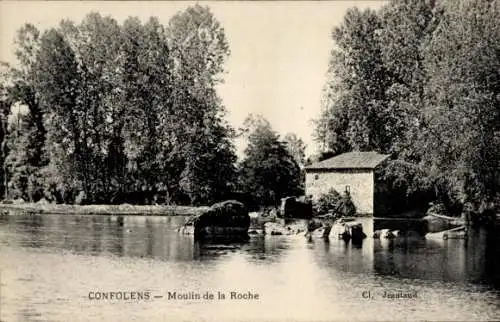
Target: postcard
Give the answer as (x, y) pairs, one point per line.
(249, 160)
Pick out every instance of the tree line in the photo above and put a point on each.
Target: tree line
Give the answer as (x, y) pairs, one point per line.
(129, 112)
(420, 80)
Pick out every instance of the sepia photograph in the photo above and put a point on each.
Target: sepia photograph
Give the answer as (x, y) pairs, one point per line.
(250, 160)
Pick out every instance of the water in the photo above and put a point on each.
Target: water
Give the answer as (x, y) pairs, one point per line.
(50, 264)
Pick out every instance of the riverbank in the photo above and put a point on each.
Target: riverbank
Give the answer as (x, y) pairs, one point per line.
(125, 209)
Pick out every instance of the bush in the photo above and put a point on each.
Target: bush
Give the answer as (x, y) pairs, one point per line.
(326, 202)
(335, 203)
(346, 207)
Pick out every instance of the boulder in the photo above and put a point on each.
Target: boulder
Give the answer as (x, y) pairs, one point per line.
(261, 217)
(313, 225)
(225, 218)
(292, 207)
(357, 233)
(273, 229)
(390, 234)
(435, 224)
(42, 201)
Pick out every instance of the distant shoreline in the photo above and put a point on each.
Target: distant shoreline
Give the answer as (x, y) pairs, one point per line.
(124, 210)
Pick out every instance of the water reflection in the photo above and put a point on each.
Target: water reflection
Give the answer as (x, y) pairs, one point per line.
(131, 236)
(436, 260)
(293, 274)
(474, 260)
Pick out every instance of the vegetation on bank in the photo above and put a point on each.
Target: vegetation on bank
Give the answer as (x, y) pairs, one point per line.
(128, 113)
(333, 203)
(269, 171)
(146, 210)
(420, 80)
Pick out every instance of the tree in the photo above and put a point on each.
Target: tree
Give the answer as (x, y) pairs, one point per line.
(98, 53)
(146, 87)
(420, 80)
(375, 93)
(406, 28)
(5, 106)
(27, 157)
(127, 111)
(58, 85)
(463, 98)
(199, 50)
(268, 172)
(296, 148)
(354, 107)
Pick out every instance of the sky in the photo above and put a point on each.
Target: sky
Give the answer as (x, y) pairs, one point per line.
(279, 50)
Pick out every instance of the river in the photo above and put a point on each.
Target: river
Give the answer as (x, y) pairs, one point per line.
(59, 268)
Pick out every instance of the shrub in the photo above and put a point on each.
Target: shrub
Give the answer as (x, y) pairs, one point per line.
(335, 203)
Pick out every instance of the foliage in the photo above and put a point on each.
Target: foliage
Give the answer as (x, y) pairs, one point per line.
(122, 111)
(5, 105)
(296, 147)
(26, 144)
(334, 202)
(420, 80)
(402, 186)
(462, 113)
(354, 114)
(268, 172)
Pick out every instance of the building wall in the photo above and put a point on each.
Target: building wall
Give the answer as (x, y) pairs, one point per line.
(360, 183)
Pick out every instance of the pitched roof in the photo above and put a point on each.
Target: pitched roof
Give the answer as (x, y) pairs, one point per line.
(350, 160)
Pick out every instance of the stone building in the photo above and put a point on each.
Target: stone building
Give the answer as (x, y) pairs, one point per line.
(352, 171)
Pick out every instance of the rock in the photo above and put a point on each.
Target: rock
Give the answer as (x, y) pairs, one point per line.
(225, 218)
(347, 228)
(42, 201)
(390, 235)
(292, 207)
(435, 224)
(357, 233)
(313, 225)
(345, 236)
(272, 228)
(254, 214)
(320, 232)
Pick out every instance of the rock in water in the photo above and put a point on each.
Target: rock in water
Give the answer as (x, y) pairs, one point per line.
(292, 207)
(357, 233)
(436, 224)
(223, 219)
(320, 232)
(273, 229)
